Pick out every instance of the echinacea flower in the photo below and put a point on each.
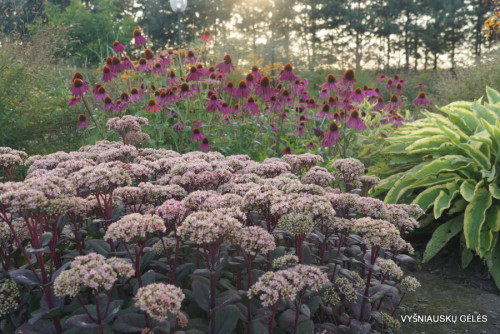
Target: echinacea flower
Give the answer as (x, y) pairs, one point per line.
(78, 87)
(164, 61)
(310, 145)
(203, 71)
(250, 79)
(394, 119)
(107, 74)
(380, 104)
(178, 126)
(206, 36)
(421, 100)
(108, 103)
(324, 94)
(138, 38)
(193, 75)
(382, 78)
(74, 100)
(286, 98)
(399, 90)
(126, 63)
(256, 73)
(143, 65)
(242, 91)
(331, 136)
(205, 145)
(186, 91)
(252, 106)
(264, 89)
(96, 88)
(333, 101)
(331, 84)
(124, 97)
(227, 65)
(213, 103)
(116, 66)
(311, 104)
(357, 95)
(135, 95)
(287, 150)
(118, 47)
(324, 112)
(355, 121)
(394, 103)
(287, 74)
(390, 84)
(101, 94)
(229, 87)
(172, 79)
(224, 109)
(159, 69)
(420, 85)
(82, 122)
(153, 106)
(197, 135)
(191, 58)
(348, 80)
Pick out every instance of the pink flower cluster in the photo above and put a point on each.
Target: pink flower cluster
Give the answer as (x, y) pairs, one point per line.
(159, 300)
(91, 270)
(134, 226)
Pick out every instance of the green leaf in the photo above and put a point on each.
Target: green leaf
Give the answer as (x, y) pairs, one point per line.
(447, 163)
(226, 319)
(441, 236)
(484, 113)
(493, 95)
(494, 263)
(100, 246)
(492, 221)
(426, 198)
(467, 189)
(443, 200)
(476, 155)
(475, 214)
(427, 144)
(494, 190)
(466, 258)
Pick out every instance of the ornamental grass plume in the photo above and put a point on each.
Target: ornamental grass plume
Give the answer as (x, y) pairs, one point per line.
(160, 300)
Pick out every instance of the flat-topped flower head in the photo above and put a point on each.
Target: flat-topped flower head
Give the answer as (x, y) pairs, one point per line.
(389, 268)
(134, 227)
(209, 227)
(92, 270)
(380, 233)
(254, 239)
(159, 300)
(296, 223)
(285, 261)
(410, 284)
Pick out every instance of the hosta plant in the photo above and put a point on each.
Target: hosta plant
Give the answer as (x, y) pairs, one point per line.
(448, 163)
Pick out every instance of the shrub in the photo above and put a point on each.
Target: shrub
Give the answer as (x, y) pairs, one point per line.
(33, 108)
(126, 240)
(450, 163)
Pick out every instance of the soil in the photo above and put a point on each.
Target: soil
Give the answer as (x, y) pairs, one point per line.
(448, 290)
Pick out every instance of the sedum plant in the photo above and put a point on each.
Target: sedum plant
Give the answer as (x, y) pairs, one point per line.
(448, 163)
